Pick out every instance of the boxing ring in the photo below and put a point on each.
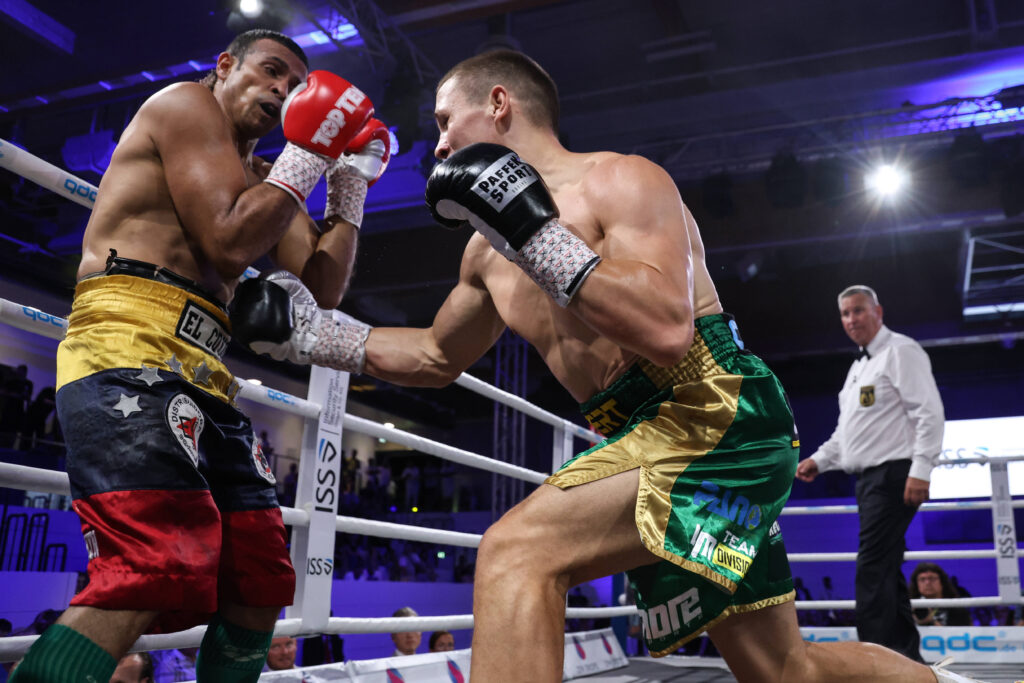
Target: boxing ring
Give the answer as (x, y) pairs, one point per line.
(315, 521)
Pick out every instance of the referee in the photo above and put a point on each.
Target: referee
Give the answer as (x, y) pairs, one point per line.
(890, 435)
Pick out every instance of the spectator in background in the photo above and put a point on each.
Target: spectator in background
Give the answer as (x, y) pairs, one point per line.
(37, 425)
(369, 490)
(15, 393)
(134, 668)
(324, 649)
(463, 572)
(411, 479)
(45, 619)
(929, 580)
(177, 665)
(354, 469)
(577, 598)
(406, 642)
(391, 491)
(268, 449)
(282, 654)
(290, 486)
(804, 617)
(1004, 615)
(431, 486)
(448, 502)
(441, 641)
(5, 628)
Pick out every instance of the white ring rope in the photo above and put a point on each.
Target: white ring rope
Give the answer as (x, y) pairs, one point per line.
(928, 507)
(908, 556)
(45, 174)
(522, 405)
(419, 443)
(27, 478)
(407, 532)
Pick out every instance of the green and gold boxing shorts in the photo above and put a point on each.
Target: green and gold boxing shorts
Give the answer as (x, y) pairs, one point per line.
(716, 446)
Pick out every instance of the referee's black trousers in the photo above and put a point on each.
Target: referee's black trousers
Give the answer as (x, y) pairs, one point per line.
(883, 612)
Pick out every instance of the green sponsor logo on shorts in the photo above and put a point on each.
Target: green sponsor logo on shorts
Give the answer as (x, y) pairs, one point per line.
(734, 554)
(666, 619)
(720, 501)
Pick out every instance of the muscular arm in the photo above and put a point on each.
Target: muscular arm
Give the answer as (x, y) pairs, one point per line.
(466, 325)
(324, 260)
(640, 295)
(233, 224)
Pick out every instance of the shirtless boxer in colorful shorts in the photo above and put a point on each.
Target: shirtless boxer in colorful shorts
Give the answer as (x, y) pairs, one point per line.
(177, 503)
(594, 259)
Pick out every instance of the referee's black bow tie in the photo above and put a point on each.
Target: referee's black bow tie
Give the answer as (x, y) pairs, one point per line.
(863, 354)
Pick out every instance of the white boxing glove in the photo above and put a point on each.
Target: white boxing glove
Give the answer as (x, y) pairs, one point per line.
(300, 320)
(363, 162)
(276, 314)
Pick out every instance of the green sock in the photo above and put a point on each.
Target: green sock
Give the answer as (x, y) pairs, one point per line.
(63, 654)
(231, 654)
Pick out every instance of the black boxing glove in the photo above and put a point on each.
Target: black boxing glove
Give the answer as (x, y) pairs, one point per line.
(505, 200)
(260, 311)
(277, 315)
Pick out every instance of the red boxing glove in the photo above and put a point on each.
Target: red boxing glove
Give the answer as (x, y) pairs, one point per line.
(325, 113)
(320, 118)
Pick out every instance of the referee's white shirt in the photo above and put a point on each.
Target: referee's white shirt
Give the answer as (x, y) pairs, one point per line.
(889, 409)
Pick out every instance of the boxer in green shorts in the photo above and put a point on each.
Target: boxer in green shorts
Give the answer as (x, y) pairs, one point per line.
(714, 441)
(595, 261)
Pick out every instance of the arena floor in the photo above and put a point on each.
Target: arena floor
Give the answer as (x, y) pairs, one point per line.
(710, 670)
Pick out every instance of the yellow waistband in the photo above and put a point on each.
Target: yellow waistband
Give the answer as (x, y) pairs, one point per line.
(121, 321)
(697, 364)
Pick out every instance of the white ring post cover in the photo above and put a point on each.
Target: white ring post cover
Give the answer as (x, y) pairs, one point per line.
(1005, 534)
(318, 491)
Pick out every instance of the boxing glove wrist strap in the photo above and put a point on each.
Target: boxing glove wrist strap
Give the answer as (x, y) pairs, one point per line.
(346, 194)
(557, 260)
(341, 344)
(296, 171)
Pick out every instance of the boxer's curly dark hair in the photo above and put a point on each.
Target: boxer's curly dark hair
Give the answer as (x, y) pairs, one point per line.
(241, 46)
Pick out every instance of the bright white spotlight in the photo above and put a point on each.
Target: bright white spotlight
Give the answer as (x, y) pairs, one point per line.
(887, 180)
(250, 8)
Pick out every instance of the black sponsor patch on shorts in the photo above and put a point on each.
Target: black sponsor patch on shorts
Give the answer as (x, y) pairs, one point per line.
(200, 328)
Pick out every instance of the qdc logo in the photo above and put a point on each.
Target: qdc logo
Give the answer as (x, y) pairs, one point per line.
(39, 316)
(275, 395)
(80, 189)
(960, 643)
